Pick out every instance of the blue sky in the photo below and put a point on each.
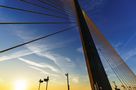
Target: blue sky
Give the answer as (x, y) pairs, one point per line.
(54, 56)
(115, 19)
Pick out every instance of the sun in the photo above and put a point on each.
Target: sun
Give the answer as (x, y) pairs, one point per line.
(20, 85)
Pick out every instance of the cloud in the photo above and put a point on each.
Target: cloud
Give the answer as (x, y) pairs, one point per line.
(129, 40)
(31, 63)
(61, 61)
(80, 49)
(117, 45)
(37, 48)
(43, 65)
(68, 59)
(43, 71)
(16, 54)
(130, 54)
(94, 4)
(39, 69)
(21, 53)
(75, 80)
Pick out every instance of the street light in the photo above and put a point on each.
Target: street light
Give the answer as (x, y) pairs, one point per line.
(40, 81)
(116, 87)
(67, 75)
(46, 80)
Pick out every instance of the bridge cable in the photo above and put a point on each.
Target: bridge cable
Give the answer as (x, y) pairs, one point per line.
(59, 5)
(30, 11)
(54, 6)
(34, 40)
(113, 69)
(37, 22)
(45, 8)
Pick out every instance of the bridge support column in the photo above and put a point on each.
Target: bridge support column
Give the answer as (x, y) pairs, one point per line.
(97, 74)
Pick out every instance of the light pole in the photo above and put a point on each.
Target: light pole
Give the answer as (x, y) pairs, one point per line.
(46, 80)
(116, 87)
(40, 81)
(67, 81)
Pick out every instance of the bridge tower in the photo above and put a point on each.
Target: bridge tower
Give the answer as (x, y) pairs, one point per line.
(97, 74)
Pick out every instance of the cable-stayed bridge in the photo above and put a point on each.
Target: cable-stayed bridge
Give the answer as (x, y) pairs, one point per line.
(106, 69)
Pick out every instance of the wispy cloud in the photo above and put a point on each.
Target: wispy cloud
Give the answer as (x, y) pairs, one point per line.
(41, 50)
(117, 45)
(43, 71)
(61, 61)
(129, 40)
(16, 54)
(75, 79)
(94, 4)
(43, 65)
(31, 63)
(39, 69)
(21, 53)
(38, 48)
(130, 54)
(80, 49)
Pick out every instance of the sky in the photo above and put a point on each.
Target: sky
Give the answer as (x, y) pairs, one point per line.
(116, 20)
(61, 53)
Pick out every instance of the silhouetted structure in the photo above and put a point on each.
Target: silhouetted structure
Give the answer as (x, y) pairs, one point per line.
(67, 75)
(46, 80)
(116, 87)
(97, 74)
(40, 81)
